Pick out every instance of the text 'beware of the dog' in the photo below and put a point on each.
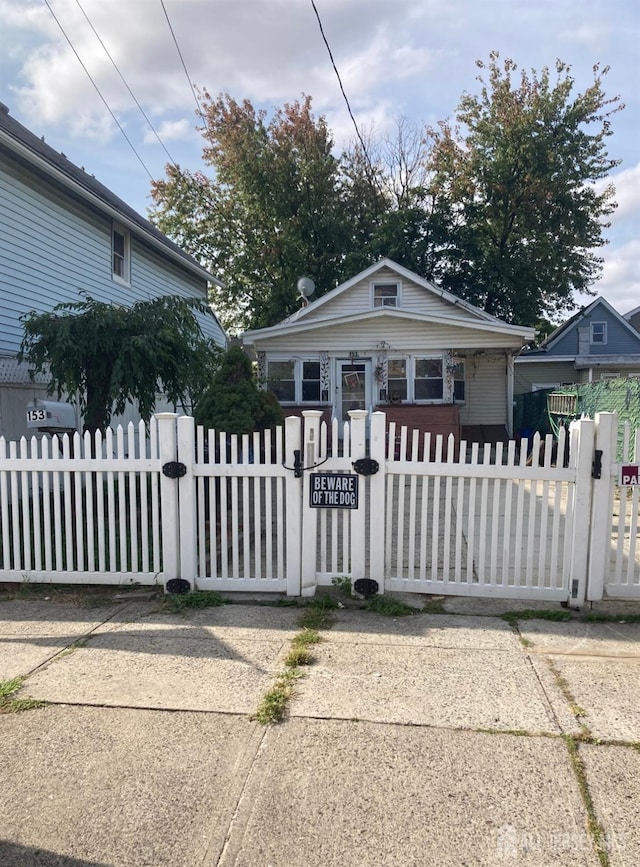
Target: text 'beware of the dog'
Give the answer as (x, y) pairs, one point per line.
(333, 491)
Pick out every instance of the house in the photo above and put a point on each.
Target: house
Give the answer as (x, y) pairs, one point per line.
(633, 318)
(63, 231)
(596, 343)
(388, 339)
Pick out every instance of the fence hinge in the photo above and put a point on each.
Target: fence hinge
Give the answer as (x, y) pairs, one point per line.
(366, 466)
(174, 470)
(596, 466)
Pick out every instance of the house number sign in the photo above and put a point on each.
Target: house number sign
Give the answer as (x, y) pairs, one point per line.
(333, 491)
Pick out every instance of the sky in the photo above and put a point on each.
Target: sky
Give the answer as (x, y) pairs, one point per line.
(396, 58)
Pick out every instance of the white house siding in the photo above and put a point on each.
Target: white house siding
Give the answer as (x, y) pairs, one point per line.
(52, 246)
(415, 299)
(485, 390)
(401, 335)
(542, 373)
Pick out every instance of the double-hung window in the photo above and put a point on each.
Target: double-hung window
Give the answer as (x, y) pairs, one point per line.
(281, 380)
(397, 379)
(310, 382)
(429, 382)
(296, 381)
(598, 332)
(120, 254)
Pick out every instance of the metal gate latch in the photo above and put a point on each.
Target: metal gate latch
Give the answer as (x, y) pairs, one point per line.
(366, 466)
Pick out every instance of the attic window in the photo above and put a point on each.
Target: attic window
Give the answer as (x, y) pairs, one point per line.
(598, 332)
(386, 295)
(120, 258)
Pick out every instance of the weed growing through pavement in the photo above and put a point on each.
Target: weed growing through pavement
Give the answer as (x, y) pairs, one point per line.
(318, 614)
(8, 704)
(389, 606)
(595, 828)
(557, 615)
(611, 618)
(342, 583)
(433, 606)
(193, 599)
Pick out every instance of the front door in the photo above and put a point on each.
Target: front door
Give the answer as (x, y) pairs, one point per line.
(354, 387)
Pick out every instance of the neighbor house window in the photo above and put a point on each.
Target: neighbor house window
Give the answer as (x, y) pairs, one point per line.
(598, 332)
(281, 380)
(386, 295)
(396, 380)
(120, 254)
(310, 381)
(457, 375)
(429, 384)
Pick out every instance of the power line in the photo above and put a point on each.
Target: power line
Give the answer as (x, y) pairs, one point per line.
(199, 111)
(122, 78)
(335, 68)
(106, 104)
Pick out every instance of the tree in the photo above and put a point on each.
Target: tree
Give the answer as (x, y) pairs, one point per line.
(110, 355)
(272, 214)
(525, 214)
(233, 402)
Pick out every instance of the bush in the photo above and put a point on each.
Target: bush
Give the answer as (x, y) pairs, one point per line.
(233, 403)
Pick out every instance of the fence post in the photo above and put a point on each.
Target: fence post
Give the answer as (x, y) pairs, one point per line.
(377, 500)
(293, 500)
(606, 440)
(167, 450)
(309, 537)
(358, 433)
(186, 486)
(582, 438)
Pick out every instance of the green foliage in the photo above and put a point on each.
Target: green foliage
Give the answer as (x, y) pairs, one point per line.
(193, 599)
(389, 606)
(505, 209)
(233, 403)
(520, 186)
(110, 355)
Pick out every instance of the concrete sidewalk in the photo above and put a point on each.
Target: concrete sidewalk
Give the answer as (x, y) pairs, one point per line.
(432, 739)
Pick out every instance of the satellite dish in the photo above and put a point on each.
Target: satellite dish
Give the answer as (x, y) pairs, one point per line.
(306, 287)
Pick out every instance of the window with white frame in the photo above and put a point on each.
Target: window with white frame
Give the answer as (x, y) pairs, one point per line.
(386, 295)
(396, 380)
(120, 254)
(295, 380)
(281, 380)
(429, 382)
(310, 382)
(598, 332)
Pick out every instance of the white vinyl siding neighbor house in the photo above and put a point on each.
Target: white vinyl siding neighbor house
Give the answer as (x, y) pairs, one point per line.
(63, 233)
(390, 339)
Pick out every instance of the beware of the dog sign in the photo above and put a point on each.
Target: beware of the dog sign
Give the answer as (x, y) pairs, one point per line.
(629, 474)
(333, 491)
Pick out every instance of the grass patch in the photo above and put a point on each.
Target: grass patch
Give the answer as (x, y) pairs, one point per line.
(612, 618)
(8, 704)
(318, 614)
(594, 827)
(273, 706)
(388, 606)
(556, 615)
(193, 599)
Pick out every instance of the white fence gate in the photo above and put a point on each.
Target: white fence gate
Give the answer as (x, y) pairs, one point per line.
(237, 513)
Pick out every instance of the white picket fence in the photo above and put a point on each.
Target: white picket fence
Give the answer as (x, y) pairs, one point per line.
(438, 517)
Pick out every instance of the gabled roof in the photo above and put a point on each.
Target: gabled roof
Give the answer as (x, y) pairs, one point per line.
(632, 313)
(34, 151)
(574, 322)
(302, 321)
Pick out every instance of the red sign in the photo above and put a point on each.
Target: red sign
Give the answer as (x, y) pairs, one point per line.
(629, 474)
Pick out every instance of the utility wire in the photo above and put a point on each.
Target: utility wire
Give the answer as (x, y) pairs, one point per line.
(122, 78)
(335, 69)
(199, 111)
(88, 74)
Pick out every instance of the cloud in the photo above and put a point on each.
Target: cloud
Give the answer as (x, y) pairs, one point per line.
(620, 281)
(170, 130)
(627, 184)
